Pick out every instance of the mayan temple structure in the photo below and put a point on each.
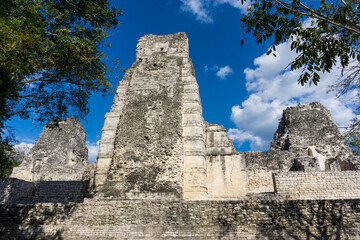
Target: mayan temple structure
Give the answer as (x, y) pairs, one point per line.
(162, 172)
(153, 137)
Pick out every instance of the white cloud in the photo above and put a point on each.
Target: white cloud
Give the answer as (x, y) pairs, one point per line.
(241, 137)
(93, 150)
(224, 72)
(24, 147)
(234, 3)
(198, 8)
(258, 116)
(206, 68)
(202, 9)
(272, 88)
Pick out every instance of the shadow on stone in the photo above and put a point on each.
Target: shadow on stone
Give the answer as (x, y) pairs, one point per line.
(325, 219)
(16, 191)
(27, 221)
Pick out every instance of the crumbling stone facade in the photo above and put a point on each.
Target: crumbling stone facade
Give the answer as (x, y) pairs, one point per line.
(153, 138)
(162, 172)
(55, 170)
(59, 154)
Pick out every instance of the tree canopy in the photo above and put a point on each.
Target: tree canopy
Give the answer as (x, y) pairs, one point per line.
(51, 51)
(353, 139)
(330, 39)
(51, 58)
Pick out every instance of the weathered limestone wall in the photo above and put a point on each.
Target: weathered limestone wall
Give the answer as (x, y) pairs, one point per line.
(259, 181)
(108, 133)
(225, 168)
(59, 154)
(14, 191)
(259, 167)
(309, 125)
(178, 219)
(226, 177)
(153, 138)
(195, 186)
(318, 185)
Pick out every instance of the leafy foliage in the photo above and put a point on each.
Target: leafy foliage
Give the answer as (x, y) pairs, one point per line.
(51, 50)
(353, 139)
(7, 88)
(331, 39)
(51, 60)
(9, 158)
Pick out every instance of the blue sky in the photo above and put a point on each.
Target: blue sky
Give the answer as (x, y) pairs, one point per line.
(241, 88)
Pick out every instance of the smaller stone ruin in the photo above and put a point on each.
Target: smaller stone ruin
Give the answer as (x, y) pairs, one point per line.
(56, 168)
(308, 130)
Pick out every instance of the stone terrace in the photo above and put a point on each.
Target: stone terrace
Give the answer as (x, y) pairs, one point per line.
(179, 219)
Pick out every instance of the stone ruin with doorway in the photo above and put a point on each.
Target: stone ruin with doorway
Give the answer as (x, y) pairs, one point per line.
(162, 172)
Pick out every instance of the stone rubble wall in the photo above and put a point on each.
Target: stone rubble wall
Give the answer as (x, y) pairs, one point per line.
(179, 219)
(259, 181)
(308, 125)
(14, 191)
(108, 133)
(318, 185)
(59, 154)
(153, 138)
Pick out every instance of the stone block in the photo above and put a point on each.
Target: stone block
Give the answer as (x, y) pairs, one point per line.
(197, 178)
(194, 145)
(111, 123)
(196, 130)
(106, 150)
(108, 136)
(191, 163)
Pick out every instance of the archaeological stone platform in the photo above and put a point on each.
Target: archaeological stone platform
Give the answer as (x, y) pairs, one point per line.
(162, 172)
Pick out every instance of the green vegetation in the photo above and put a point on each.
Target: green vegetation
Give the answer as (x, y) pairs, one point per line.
(9, 158)
(51, 59)
(353, 139)
(330, 38)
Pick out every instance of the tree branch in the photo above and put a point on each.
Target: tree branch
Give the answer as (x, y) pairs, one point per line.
(317, 15)
(42, 101)
(52, 80)
(325, 18)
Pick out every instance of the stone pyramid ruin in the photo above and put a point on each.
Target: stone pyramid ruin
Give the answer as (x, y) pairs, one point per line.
(162, 172)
